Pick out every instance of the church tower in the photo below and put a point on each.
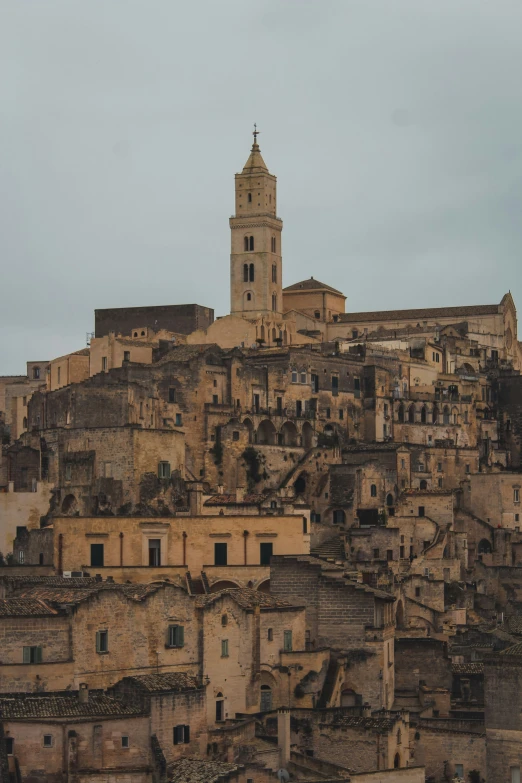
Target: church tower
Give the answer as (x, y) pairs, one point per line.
(255, 261)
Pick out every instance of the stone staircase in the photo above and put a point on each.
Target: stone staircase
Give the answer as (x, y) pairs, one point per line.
(331, 550)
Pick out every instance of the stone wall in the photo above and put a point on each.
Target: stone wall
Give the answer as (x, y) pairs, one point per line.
(422, 660)
(173, 318)
(442, 744)
(21, 509)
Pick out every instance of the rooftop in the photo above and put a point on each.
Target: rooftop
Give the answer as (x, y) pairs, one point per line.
(468, 668)
(25, 607)
(192, 770)
(515, 650)
(312, 285)
(421, 314)
(64, 704)
(244, 597)
(167, 681)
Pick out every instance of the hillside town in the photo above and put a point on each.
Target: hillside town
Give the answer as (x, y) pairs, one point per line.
(282, 544)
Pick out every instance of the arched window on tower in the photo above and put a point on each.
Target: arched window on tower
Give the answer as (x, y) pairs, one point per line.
(245, 273)
(251, 243)
(251, 276)
(274, 302)
(246, 243)
(274, 273)
(273, 244)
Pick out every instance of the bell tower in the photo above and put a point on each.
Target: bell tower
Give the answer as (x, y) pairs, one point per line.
(256, 288)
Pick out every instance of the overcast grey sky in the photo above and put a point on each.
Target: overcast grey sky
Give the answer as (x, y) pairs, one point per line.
(394, 128)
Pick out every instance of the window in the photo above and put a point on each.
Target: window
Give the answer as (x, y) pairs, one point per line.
(439, 467)
(21, 556)
(181, 735)
(224, 620)
(9, 746)
(47, 740)
(274, 273)
(355, 334)
(327, 413)
(287, 641)
(251, 273)
(32, 655)
(97, 557)
(154, 551)
(124, 741)
(439, 483)
(515, 774)
(417, 592)
(357, 387)
(215, 399)
(517, 517)
(164, 470)
(251, 243)
(172, 395)
(235, 435)
(339, 517)
(273, 246)
(294, 376)
(270, 635)
(126, 356)
(317, 315)
(102, 641)
(376, 554)
(36, 373)
(104, 364)
(265, 553)
(335, 385)
(421, 511)
(274, 303)
(373, 490)
(459, 770)
(220, 554)
(220, 707)
(224, 648)
(516, 496)
(245, 266)
(68, 472)
(403, 464)
(179, 420)
(249, 198)
(389, 554)
(266, 698)
(176, 636)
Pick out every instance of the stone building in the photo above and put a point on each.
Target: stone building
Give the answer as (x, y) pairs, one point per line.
(503, 714)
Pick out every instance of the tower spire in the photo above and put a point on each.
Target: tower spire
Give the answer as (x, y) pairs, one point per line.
(255, 134)
(255, 163)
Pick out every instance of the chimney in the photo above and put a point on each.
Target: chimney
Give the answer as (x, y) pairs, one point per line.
(240, 494)
(83, 693)
(283, 736)
(367, 710)
(195, 498)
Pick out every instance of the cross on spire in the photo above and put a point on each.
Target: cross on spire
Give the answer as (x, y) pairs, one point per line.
(255, 133)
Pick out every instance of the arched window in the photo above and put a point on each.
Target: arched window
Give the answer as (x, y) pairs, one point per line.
(249, 198)
(251, 273)
(251, 243)
(423, 414)
(389, 499)
(245, 272)
(411, 414)
(401, 413)
(399, 737)
(246, 243)
(274, 273)
(274, 303)
(424, 484)
(373, 490)
(435, 416)
(397, 761)
(249, 297)
(273, 244)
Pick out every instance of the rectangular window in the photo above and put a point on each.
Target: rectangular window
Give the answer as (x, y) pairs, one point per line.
(328, 413)
(376, 554)
(164, 470)
(97, 556)
(401, 552)
(224, 648)
(215, 399)
(303, 377)
(287, 641)
(421, 511)
(439, 467)
(341, 414)
(294, 376)
(389, 554)
(59, 374)
(176, 636)
(124, 741)
(440, 483)
(68, 472)
(102, 641)
(172, 395)
(235, 435)
(515, 774)
(256, 403)
(154, 551)
(417, 592)
(265, 553)
(126, 356)
(179, 420)
(270, 635)
(468, 469)
(104, 364)
(220, 555)
(279, 405)
(32, 655)
(9, 745)
(181, 735)
(516, 496)
(315, 382)
(298, 408)
(357, 387)
(459, 770)
(335, 385)
(47, 740)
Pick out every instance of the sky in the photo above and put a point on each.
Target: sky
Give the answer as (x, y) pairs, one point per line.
(394, 128)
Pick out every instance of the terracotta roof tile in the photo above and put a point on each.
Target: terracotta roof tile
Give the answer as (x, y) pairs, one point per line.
(61, 705)
(244, 597)
(192, 770)
(311, 285)
(515, 650)
(167, 681)
(421, 314)
(60, 595)
(375, 724)
(25, 607)
(468, 668)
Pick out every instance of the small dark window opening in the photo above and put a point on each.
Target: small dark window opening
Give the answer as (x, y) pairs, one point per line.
(97, 555)
(265, 553)
(172, 395)
(251, 273)
(220, 554)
